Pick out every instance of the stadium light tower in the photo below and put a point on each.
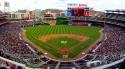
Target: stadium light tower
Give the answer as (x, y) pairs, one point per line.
(6, 7)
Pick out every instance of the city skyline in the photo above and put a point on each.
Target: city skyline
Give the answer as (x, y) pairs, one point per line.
(99, 5)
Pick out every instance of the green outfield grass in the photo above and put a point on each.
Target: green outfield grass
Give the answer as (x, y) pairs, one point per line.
(33, 33)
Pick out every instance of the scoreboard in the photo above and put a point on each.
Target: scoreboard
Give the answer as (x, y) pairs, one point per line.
(78, 10)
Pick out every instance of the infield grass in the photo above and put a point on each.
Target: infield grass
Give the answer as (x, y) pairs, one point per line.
(58, 42)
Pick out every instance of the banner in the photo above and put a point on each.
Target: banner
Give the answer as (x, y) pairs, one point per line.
(69, 12)
(83, 5)
(74, 5)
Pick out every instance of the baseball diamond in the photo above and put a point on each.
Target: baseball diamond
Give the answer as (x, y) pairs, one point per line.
(62, 40)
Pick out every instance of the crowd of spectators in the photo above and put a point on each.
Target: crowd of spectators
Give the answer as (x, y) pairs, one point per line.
(12, 44)
(113, 48)
(7, 65)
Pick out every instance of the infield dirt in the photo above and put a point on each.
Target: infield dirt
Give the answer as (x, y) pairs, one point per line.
(45, 38)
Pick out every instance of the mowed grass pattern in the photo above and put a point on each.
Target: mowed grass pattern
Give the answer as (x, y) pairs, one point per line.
(34, 32)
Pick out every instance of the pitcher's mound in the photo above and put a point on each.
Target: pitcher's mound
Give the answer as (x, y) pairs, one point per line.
(64, 42)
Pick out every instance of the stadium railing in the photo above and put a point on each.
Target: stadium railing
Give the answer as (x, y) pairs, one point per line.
(12, 62)
(110, 65)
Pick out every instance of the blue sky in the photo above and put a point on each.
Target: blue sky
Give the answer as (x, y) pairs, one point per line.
(62, 4)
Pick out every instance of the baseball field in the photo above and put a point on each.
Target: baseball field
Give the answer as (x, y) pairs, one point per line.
(63, 40)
